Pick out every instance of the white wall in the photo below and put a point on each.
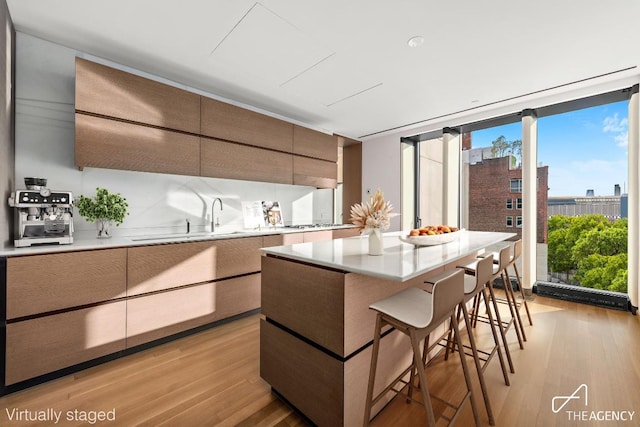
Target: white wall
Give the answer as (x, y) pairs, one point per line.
(45, 94)
(381, 160)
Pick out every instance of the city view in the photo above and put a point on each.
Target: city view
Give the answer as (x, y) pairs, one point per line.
(582, 200)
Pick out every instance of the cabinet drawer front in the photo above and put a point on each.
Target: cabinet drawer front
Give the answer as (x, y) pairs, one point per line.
(221, 159)
(115, 93)
(42, 283)
(159, 315)
(282, 239)
(111, 144)
(315, 173)
(39, 346)
(342, 233)
(226, 121)
(311, 143)
(317, 236)
(153, 268)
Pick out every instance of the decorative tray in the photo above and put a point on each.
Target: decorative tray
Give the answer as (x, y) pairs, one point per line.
(437, 239)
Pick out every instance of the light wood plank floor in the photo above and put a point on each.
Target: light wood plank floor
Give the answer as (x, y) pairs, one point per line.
(212, 378)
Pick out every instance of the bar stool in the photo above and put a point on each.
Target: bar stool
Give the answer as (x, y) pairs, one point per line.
(517, 251)
(504, 260)
(474, 287)
(498, 271)
(416, 313)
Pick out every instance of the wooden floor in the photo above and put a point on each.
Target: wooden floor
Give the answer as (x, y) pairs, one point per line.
(212, 378)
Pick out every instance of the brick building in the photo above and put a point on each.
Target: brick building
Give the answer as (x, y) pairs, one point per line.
(495, 197)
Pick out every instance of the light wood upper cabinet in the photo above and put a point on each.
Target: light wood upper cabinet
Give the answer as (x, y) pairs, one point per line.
(231, 123)
(111, 144)
(311, 143)
(314, 172)
(221, 159)
(42, 283)
(110, 92)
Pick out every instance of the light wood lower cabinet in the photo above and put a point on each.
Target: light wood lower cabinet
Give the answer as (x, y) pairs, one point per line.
(342, 233)
(159, 315)
(282, 239)
(219, 159)
(42, 283)
(317, 236)
(158, 267)
(111, 144)
(329, 391)
(42, 345)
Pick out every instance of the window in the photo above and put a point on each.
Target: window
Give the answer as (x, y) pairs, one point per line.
(519, 203)
(509, 203)
(515, 185)
(519, 221)
(509, 221)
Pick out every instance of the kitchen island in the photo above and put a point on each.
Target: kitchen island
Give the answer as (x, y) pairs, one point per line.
(317, 331)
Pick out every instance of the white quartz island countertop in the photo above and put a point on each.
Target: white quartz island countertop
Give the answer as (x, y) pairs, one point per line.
(400, 261)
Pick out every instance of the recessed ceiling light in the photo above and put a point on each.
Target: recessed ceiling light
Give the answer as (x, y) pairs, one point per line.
(415, 41)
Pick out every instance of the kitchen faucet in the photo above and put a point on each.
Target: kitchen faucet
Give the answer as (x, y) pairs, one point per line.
(213, 222)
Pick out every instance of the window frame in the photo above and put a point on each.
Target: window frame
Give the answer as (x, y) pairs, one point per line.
(519, 185)
(509, 204)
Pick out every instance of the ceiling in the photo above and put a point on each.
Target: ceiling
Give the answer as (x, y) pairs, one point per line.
(345, 66)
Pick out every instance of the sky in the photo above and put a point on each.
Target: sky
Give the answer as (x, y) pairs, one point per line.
(584, 149)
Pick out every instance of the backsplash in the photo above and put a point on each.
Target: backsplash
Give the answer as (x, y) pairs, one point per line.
(158, 203)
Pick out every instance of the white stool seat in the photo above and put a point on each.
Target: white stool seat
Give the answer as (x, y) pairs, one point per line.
(469, 287)
(411, 306)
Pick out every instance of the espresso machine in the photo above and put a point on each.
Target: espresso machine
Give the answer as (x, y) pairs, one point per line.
(43, 216)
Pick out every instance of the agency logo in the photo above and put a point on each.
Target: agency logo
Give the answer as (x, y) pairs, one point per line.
(559, 402)
(576, 404)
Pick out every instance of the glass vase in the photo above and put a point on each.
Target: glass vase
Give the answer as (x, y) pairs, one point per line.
(103, 226)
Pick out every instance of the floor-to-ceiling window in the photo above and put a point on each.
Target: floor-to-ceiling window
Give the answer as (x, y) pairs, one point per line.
(581, 145)
(586, 153)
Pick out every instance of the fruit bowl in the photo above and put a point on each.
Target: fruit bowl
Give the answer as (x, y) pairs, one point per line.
(437, 239)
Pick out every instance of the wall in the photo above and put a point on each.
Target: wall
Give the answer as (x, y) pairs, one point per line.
(7, 41)
(158, 203)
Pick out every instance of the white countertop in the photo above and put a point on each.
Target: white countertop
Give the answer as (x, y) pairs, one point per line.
(88, 241)
(400, 261)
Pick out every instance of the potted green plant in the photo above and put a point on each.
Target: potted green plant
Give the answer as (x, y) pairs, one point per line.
(104, 209)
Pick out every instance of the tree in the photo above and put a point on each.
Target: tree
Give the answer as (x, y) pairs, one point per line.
(500, 147)
(592, 246)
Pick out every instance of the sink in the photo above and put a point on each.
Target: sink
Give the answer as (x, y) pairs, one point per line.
(189, 236)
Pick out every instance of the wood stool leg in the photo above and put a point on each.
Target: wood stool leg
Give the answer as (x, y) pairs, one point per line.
(524, 299)
(451, 347)
(513, 312)
(372, 369)
(476, 360)
(417, 361)
(496, 340)
(503, 333)
(514, 302)
(465, 370)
